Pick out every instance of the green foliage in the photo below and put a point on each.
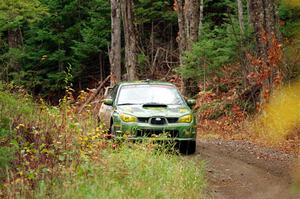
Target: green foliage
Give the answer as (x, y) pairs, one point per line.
(148, 11)
(217, 12)
(73, 34)
(31, 139)
(220, 41)
(289, 13)
(6, 151)
(134, 171)
(7, 154)
(216, 48)
(291, 17)
(11, 107)
(15, 13)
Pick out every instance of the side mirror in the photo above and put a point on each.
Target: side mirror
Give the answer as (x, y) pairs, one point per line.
(108, 102)
(108, 91)
(191, 102)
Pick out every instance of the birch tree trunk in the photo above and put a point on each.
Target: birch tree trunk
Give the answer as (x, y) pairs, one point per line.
(115, 51)
(130, 34)
(201, 16)
(192, 16)
(188, 12)
(182, 33)
(241, 17)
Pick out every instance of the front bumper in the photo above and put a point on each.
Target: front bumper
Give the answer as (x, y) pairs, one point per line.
(142, 131)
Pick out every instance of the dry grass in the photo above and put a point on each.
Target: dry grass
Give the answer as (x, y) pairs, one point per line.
(280, 118)
(292, 3)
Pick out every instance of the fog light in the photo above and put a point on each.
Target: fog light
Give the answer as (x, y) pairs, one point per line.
(187, 133)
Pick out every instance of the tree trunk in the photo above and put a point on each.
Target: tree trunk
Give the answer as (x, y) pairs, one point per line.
(264, 20)
(182, 33)
(192, 16)
(188, 12)
(115, 51)
(257, 19)
(201, 16)
(242, 51)
(241, 16)
(263, 17)
(101, 67)
(14, 38)
(130, 34)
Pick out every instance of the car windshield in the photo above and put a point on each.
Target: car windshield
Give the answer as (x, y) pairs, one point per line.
(149, 94)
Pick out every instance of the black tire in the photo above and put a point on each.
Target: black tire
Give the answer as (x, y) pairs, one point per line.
(111, 130)
(187, 147)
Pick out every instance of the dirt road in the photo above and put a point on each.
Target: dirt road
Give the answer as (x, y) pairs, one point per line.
(241, 170)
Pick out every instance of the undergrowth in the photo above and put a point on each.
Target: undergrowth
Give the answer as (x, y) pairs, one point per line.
(55, 152)
(132, 171)
(233, 107)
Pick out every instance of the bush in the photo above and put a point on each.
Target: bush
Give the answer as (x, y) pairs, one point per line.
(289, 13)
(10, 107)
(53, 152)
(216, 48)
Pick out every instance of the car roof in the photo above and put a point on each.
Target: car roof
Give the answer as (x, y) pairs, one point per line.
(143, 82)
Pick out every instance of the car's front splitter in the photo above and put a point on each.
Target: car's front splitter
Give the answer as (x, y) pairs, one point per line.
(139, 131)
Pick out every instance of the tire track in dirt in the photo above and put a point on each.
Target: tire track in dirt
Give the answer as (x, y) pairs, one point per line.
(241, 170)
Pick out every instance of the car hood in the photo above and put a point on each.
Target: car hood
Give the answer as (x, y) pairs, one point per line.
(140, 111)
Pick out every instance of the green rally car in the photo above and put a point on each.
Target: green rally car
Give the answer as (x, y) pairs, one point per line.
(149, 110)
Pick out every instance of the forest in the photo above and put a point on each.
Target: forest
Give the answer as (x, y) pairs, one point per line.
(238, 58)
(190, 41)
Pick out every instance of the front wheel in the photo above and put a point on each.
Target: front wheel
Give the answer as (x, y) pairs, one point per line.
(187, 147)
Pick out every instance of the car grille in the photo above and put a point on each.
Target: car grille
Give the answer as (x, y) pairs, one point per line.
(143, 119)
(153, 133)
(170, 120)
(158, 121)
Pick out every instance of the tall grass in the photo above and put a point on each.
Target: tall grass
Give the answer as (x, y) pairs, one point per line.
(133, 171)
(10, 107)
(53, 152)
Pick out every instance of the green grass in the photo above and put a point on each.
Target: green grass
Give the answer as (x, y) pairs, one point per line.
(52, 152)
(133, 171)
(13, 107)
(8, 108)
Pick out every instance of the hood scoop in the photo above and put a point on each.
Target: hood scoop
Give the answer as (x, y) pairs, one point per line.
(154, 105)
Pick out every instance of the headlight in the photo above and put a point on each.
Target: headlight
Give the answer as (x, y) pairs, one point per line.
(186, 119)
(128, 118)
